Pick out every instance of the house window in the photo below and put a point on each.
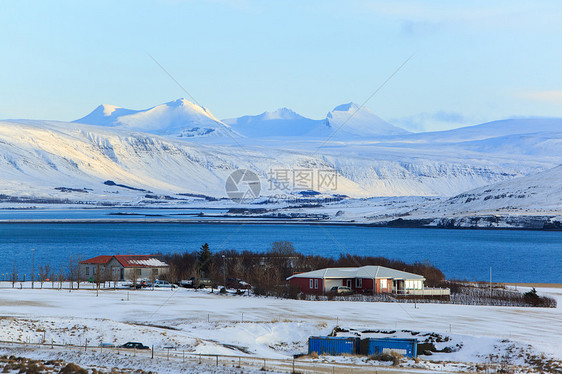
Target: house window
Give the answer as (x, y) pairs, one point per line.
(155, 272)
(316, 283)
(384, 283)
(87, 270)
(311, 284)
(359, 283)
(348, 283)
(138, 271)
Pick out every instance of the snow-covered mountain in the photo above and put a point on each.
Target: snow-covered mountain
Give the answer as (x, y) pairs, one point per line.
(539, 193)
(515, 127)
(357, 121)
(179, 118)
(130, 154)
(281, 123)
(344, 122)
(38, 158)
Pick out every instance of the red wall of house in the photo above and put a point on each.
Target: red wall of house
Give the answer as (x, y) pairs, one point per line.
(303, 285)
(388, 286)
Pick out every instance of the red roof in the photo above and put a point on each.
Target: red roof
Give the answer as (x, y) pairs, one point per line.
(140, 261)
(102, 260)
(130, 261)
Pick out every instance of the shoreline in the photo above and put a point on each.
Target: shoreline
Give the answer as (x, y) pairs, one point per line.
(535, 285)
(264, 221)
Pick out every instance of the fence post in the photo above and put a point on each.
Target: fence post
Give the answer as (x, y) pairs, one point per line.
(168, 356)
(199, 358)
(293, 364)
(152, 351)
(182, 356)
(85, 345)
(217, 356)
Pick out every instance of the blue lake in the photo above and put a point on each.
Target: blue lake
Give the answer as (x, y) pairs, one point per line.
(514, 256)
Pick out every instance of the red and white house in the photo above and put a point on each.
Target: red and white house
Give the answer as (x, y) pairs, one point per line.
(359, 279)
(123, 267)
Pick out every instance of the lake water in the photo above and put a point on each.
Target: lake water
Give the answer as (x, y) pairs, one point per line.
(514, 256)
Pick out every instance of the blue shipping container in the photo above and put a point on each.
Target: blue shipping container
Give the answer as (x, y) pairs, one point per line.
(332, 345)
(406, 347)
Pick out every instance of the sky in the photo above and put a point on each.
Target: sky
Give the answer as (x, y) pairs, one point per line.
(471, 62)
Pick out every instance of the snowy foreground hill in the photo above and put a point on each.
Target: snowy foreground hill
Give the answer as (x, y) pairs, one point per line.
(253, 332)
(178, 152)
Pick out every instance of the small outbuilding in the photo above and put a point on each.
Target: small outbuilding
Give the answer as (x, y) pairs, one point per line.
(123, 267)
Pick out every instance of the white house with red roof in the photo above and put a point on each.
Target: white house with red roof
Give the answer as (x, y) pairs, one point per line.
(365, 279)
(123, 267)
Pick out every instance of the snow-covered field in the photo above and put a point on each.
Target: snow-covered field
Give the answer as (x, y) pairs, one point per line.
(201, 322)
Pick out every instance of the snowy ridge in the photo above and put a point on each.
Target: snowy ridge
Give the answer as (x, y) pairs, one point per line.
(281, 123)
(38, 156)
(180, 118)
(347, 121)
(356, 121)
(537, 194)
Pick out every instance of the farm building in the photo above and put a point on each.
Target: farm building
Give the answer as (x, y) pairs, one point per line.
(365, 279)
(123, 267)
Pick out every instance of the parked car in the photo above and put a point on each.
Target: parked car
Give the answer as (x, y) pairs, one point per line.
(341, 290)
(196, 283)
(238, 284)
(186, 283)
(134, 345)
(139, 283)
(163, 284)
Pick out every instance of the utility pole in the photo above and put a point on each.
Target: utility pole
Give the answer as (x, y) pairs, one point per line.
(33, 268)
(224, 271)
(490, 284)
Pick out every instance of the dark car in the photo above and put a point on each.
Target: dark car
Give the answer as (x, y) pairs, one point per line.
(236, 283)
(134, 345)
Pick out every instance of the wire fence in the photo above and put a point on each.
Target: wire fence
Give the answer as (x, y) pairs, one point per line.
(233, 363)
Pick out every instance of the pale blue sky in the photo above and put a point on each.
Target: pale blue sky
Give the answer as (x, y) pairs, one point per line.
(473, 61)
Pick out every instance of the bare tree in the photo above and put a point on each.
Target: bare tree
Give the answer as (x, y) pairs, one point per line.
(61, 275)
(74, 271)
(44, 273)
(282, 249)
(134, 277)
(14, 275)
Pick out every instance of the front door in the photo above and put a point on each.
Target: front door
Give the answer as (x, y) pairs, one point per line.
(348, 283)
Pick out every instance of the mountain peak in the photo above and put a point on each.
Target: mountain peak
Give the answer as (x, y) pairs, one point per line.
(281, 113)
(107, 109)
(359, 121)
(180, 118)
(346, 107)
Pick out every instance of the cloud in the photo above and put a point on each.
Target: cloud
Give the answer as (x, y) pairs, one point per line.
(436, 121)
(513, 14)
(545, 96)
